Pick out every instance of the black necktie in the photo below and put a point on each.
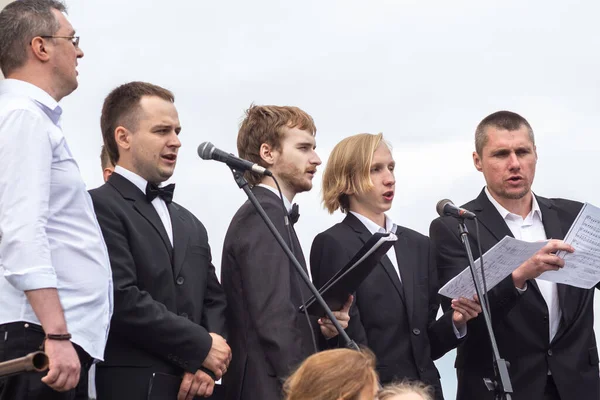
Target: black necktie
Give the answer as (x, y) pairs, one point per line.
(294, 214)
(165, 193)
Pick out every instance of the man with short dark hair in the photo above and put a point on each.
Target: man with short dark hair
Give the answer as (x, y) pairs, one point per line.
(169, 318)
(56, 288)
(544, 330)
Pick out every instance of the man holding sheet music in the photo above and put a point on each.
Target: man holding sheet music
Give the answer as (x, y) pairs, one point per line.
(396, 305)
(543, 329)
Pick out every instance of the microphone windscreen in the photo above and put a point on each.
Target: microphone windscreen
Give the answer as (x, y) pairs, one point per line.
(205, 150)
(440, 206)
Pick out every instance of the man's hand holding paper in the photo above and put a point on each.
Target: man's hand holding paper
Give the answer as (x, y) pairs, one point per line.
(543, 260)
(582, 268)
(464, 311)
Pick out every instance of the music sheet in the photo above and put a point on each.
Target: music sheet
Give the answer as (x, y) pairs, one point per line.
(582, 268)
(499, 262)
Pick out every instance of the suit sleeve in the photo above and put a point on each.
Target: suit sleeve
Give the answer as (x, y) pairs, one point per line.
(327, 256)
(451, 259)
(137, 316)
(265, 272)
(442, 337)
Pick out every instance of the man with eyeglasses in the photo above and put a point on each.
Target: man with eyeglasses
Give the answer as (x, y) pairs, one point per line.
(56, 284)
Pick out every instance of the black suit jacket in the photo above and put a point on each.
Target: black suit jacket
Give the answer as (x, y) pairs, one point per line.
(396, 320)
(520, 321)
(166, 299)
(268, 336)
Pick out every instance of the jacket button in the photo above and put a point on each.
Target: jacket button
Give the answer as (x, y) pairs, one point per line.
(550, 352)
(180, 280)
(417, 332)
(421, 369)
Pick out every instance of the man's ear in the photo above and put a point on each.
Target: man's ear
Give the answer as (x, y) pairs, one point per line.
(477, 161)
(266, 154)
(107, 172)
(123, 138)
(39, 49)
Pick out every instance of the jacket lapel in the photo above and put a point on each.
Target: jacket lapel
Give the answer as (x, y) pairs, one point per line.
(554, 230)
(266, 196)
(131, 192)
(180, 237)
(490, 218)
(550, 219)
(388, 267)
(406, 267)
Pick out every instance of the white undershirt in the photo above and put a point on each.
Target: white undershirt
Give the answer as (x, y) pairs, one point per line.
(531, 229)
(390, 226)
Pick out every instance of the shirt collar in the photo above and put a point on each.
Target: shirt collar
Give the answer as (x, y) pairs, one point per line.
(288, 205)
(373, 227)
(132, 177)
(535, 207)
(42, 98)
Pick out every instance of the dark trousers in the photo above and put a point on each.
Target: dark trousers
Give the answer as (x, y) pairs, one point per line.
(18, 339)
(551, 392)
(133, 383)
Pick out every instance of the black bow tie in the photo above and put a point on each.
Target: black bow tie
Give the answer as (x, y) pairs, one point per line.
(165, 193)
(294, 214)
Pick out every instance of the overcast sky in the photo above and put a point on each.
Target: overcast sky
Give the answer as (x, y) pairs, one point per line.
(422, 72)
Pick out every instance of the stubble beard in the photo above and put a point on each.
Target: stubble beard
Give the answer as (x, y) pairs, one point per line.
(294, 179)
(517, 195)
(153, 173)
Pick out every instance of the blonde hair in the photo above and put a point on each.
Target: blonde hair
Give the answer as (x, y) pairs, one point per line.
(332, 375)
(348, 170)
(406, 387)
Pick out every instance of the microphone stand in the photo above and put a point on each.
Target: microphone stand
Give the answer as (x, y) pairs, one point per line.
(501, 385)
(243, 184)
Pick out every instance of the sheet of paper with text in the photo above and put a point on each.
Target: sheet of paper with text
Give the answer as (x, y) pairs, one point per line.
(582, 268)
(499, 262)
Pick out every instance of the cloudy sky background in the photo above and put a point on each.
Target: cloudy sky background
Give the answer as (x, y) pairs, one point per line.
(422, 72)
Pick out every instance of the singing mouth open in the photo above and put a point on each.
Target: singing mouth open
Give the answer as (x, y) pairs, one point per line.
(389, 195)
(515, 179)
(170, 158)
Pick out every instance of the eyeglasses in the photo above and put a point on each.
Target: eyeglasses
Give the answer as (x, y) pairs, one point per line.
(74, 39)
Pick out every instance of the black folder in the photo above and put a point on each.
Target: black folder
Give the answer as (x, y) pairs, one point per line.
(345, 282)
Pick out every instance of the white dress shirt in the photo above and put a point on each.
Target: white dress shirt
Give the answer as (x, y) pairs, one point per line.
(49, 235)
(288, 204)
(531, 229)
(158, 203)
(390, 226)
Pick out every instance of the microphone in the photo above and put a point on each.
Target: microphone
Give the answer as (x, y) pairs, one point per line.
(447, 207)
(208, 151)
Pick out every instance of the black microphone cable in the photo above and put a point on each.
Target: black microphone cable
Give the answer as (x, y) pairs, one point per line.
(487, 304)
(289, 231)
